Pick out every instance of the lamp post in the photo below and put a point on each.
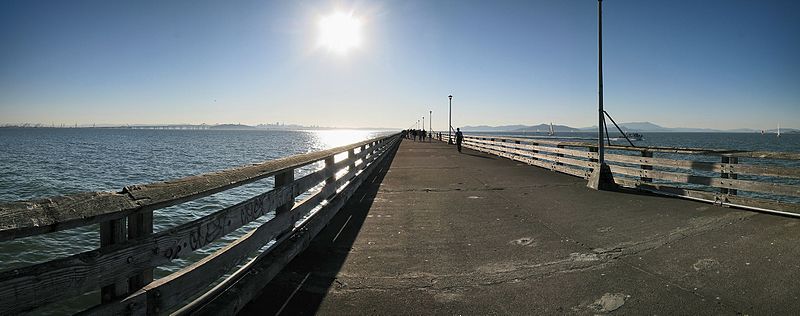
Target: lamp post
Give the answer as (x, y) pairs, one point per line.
(601, 178)
(450, 122)
(601, 122)
(423, 123)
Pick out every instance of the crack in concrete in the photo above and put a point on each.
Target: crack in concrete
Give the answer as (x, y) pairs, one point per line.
(441, 190)
(486, 275)
(486, 188)
(698, 227)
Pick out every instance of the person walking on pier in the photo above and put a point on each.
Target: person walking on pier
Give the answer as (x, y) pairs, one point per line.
(459, 138)
(422, 134)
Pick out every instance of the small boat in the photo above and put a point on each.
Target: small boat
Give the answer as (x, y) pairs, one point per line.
(552, 131)
(634, 136)
(779, 130)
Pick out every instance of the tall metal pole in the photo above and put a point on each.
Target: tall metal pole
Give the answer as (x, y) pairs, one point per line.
(430, 120)
(450, 122)
(423, 123)
(601, 122)
(601, 178)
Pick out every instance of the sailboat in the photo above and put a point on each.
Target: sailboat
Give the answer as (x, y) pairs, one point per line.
(552, 131)
(779, 130)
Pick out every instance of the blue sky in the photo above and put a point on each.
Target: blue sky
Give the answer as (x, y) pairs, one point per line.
(716, 64)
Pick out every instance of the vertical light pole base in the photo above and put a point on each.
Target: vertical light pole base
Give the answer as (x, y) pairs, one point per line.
(602, 179)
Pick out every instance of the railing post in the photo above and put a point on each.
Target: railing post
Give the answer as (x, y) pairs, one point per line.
(559, 155)
(332, 179)
(140, 225)
(113, 232)
(351, 153)
(729, 175)
(535, 152)
(283, 179)
(592, 149)
(646, 154)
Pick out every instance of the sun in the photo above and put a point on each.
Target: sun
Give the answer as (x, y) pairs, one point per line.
(340, 32)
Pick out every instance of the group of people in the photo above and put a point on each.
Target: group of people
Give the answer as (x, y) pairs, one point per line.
(415, 134)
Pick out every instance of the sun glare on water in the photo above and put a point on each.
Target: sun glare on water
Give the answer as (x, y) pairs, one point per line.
(340, 32)
(339, 137)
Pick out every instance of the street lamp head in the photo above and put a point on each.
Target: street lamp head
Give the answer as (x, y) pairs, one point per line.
(450, 97)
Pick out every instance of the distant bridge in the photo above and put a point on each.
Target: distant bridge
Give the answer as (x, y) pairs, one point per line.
(187, 126)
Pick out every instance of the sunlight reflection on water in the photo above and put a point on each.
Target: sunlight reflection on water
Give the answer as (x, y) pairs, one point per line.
(340, 137)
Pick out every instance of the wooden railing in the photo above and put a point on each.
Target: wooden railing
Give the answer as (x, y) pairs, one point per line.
(768, 181)
(122, 267)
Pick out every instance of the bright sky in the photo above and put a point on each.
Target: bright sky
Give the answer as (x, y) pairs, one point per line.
(711, 63)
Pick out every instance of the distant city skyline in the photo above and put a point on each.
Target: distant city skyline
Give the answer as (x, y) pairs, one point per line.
(711, 64)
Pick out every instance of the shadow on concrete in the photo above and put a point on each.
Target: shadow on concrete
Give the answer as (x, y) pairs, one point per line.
(301, 287)
(479, 156)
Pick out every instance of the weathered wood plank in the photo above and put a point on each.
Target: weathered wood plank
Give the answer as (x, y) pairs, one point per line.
(521, 152)
(645, 154)
(775, 171)
(552, 165)
(19, 219)
(714, 152)
(176, 288)
(268, 265)
(26, 218)
(564, 151)
(711, 197)
(506, 149)
(745, 185)
(113, 232)
(140, 225)
(225, 285)
(557, 159)
(560, 168)
(515, 139)
(44, 283)
(677, 150)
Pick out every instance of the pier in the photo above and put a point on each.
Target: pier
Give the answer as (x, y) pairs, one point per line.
(394, 226)
(440, 232)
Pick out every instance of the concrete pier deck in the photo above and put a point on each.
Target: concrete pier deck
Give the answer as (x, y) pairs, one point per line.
(438, 232)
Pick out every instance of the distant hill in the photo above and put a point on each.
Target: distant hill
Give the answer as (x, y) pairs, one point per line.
(487, 128)
(519, 128)
(643, 127)
(231, 126)
(546, 127)
(627, 127)
(633, 127)
(650, 127)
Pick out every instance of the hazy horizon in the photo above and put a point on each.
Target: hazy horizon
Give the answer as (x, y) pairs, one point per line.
(715, 64)
(289, 125)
